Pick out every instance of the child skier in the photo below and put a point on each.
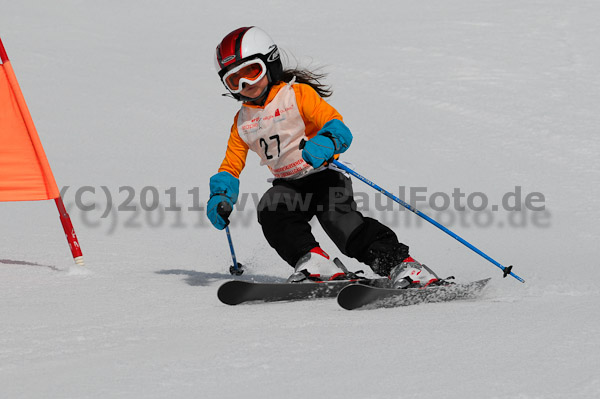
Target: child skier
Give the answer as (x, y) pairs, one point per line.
(280, 110)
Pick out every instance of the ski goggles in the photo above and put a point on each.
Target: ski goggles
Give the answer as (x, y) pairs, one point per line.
(249, 72)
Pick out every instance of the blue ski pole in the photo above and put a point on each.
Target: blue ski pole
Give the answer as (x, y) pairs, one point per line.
(236, 269)
(506, 270)
(224, 210)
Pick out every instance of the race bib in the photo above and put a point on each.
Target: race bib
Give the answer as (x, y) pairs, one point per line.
(274, 133)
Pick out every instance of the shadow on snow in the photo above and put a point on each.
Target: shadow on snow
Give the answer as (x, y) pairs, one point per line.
(25, 263)
(196, 278)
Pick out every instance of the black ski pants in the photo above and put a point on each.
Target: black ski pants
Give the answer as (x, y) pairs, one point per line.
(285, 210)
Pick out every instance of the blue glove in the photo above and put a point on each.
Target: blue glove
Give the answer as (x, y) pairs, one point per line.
(224, 191)
(334, 138)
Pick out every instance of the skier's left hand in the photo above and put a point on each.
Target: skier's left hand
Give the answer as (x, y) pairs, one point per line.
(334, 138)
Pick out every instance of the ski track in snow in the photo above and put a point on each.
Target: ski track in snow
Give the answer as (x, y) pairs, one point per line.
(478, 95)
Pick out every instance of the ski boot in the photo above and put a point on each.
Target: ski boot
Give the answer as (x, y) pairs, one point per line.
(412, 274)
(316, 266)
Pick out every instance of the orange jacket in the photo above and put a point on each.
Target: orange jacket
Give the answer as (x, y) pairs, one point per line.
(315, 112)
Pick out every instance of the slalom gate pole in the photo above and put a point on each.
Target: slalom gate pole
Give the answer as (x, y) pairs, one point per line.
(506, 270)
(236, 269)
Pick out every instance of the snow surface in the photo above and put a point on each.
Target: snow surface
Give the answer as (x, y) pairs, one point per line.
(477, 95)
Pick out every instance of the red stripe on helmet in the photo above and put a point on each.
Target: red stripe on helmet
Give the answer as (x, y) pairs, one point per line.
(229, 50)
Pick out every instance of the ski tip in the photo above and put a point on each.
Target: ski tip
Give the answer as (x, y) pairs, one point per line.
(350, 297)
(227, 292)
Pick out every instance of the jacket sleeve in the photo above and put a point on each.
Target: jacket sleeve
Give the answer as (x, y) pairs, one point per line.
(236, 153)
(315, 111)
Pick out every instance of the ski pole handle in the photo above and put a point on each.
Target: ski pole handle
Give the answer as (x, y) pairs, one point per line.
(224, 209)
(303, 144)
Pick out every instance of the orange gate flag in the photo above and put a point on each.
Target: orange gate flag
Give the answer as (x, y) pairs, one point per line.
(25, 173)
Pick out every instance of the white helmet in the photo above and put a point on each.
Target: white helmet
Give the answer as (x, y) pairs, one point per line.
(245, 44)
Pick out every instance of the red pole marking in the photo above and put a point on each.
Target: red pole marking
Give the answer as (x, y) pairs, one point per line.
(68, 228)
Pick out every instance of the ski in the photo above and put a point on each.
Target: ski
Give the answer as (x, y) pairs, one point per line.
(236, 291)
(363, 296)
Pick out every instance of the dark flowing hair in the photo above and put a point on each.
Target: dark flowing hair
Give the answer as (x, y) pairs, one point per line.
(311, 77)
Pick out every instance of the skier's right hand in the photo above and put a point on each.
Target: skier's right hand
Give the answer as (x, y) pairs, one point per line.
(218, 210)
(224, 190)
